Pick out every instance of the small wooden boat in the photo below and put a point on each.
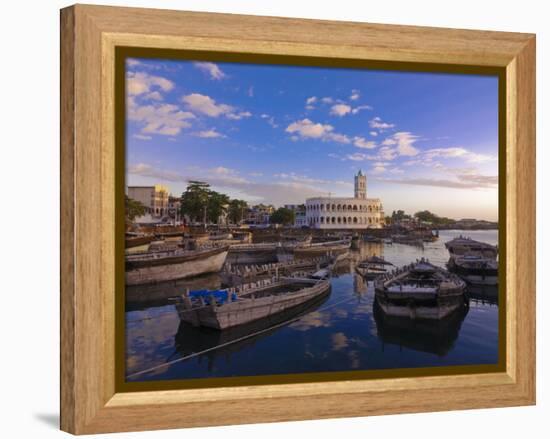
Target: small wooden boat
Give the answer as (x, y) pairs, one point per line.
(322, 248)
(420, 290)
(475, 269)
(132, 241)
(151, 267)
(474, 261)
(222, 309)
(372, 267)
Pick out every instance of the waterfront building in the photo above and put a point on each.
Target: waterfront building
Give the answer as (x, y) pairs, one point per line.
(259, 214)
(154, 198)
(299, 210)
(357, 212)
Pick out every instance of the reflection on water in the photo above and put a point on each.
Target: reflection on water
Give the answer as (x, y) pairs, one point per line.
(342, 331)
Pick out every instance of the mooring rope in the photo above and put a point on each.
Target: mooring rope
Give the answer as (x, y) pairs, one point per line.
(213, 348)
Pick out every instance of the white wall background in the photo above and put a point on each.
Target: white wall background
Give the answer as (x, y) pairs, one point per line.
(29, 177)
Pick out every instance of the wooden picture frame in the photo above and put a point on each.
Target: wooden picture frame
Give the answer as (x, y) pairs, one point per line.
(90, 399)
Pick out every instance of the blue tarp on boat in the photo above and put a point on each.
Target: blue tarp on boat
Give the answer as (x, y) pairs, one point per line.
(220, 296)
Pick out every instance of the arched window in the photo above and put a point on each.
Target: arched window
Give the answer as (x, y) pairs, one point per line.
(339, 207)
(333, 220)
(339, 220)
(322, 206)
(349, 207)
(322, 220)
(355, 207)
(349, 220)
(355, 220)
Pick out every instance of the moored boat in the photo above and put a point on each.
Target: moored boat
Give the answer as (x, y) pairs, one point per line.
(151, 267)
(474, 261)
(322, 248)
(222, 309)
(372, 267)
(420, 290)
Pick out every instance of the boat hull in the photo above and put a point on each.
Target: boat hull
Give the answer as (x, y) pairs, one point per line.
(474, 276)
(207, 262)
(241, 312)
(425, 306)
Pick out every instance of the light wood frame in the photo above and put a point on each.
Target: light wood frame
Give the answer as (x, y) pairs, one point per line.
(89, 402)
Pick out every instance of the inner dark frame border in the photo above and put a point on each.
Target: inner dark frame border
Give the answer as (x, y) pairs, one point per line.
(122, 53)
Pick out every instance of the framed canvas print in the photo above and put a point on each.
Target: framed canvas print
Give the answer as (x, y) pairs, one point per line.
(292, 219)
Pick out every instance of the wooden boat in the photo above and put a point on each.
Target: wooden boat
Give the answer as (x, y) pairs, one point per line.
(322, 248)
(474, 261)
(222, 309)
(190, 340)
(260, 253)
(372, 267)
(132, 241)
(151, 267)
(420, 290)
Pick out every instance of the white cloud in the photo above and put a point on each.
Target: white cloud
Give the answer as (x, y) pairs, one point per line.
(457, 152)
(405, 141)
(141, 137)
(311, 100)
(399, 144)
(208, 134)
(251, 91)
(373, 133)
(360, 108)
(357, 157)
(270, 120)
(211, 69)
(238, 116)
(140, 83)
(154, 96)
(306, 129)
(361, 142)
(164, 119)
(355, 95)
(206, 105)
(327, 100)
(340, 110)
(379, 124)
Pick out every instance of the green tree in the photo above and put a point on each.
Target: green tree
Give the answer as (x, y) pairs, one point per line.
(134, 208)
(217, 206)
(236, 210)
(282, 216)
(194, 201)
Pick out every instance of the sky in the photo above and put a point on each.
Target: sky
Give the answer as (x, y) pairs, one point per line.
(280, 134)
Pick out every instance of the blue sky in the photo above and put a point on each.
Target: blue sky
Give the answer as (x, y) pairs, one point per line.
(280, 134)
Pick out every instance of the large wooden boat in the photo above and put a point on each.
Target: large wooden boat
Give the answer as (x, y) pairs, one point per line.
(420, 290)
(222, 309)
(151, 267)
(474, 261)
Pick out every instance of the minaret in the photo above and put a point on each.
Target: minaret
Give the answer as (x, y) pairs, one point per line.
(360, 185)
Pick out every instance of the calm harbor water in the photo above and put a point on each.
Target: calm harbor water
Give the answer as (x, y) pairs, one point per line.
(343, 331)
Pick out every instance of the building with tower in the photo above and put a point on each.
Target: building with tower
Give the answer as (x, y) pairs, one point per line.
(357, 212)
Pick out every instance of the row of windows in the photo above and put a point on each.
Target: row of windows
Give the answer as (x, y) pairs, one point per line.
(344, 207)
(343, 220)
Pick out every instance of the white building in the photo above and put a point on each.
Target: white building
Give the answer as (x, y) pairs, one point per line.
(154, 198)
(358, 212)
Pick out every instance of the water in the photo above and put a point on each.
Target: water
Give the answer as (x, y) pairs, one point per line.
(343, 331)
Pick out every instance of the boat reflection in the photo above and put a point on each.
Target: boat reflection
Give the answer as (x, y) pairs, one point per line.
(485, 294)
(140, 297)
(190, 340)
(430, 336)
